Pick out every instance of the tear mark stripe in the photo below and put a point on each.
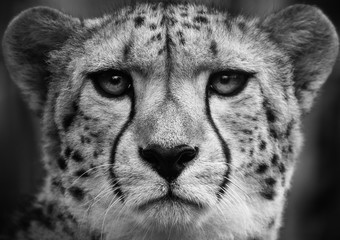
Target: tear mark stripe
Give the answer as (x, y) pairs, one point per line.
(225, 147)
(115, 184)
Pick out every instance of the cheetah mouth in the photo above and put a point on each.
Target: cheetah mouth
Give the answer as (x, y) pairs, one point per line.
(173, 200)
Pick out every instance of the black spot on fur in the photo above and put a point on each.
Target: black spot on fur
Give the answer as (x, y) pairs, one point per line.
(58, 184)
(190, 26)
(119, 22)
(153, 26)
(82, 173)
(242, 26)
(160, 52)
(273, 133)
(127, 50)
(184, 14)
(275, 160)
(95, 134)
(247, 131)
(77, 193)
(269, 112)
(263, 145)
(201, 20)
(289, 129)
(285, 150)
(69, 118)
(290, 148)
(213, 47)
(305, 86)
(181, 37)
(95, 154)
(271, 223)
(268, 193)
(163, 20)
(154, 37)
(87, 140)
(172, 21)
(62, 163)
(77, 157)
(67, 152)
(270, 115)
(97, 236)
(251, 152)
(270, 181)
(262, 168)
(50, 208)
(139, 21)
(282, 168)
(228, 24)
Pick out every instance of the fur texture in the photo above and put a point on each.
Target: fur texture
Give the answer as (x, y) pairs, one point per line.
(97, 184)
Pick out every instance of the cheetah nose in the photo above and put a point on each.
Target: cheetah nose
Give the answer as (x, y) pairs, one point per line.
(168, 162)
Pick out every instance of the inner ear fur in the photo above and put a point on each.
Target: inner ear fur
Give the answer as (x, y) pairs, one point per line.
(311, 41)
(27, 42)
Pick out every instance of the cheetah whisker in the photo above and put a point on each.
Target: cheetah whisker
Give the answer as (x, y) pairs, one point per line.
(111, 204)
(91, 169)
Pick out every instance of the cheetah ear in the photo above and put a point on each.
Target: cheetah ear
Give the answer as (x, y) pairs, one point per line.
(27, 42)
(311, 41)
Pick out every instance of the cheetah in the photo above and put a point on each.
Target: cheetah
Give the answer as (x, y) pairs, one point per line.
(167, 120)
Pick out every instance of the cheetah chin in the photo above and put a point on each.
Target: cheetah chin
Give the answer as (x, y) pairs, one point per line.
(159, 120)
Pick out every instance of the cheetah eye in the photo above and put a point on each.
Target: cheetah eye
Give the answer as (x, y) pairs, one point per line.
(228, 83)
(111, 83)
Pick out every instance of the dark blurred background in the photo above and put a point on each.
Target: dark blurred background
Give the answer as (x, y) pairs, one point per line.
(313, 210)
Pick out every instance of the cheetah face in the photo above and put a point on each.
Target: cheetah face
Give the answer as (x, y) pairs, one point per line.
(164, 119)
(174, 115)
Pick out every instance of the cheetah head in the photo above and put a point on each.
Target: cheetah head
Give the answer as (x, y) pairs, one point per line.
(171, 119)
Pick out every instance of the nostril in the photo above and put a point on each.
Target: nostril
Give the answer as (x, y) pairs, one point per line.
(186, 155)
(149, 155)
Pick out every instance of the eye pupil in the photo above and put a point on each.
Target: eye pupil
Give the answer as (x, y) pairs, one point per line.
(226, 79)
(116, 80)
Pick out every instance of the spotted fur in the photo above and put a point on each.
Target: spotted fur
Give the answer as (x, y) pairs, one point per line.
(98, 186)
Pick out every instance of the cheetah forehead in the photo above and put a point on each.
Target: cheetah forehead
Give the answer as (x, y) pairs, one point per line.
(190, 35)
